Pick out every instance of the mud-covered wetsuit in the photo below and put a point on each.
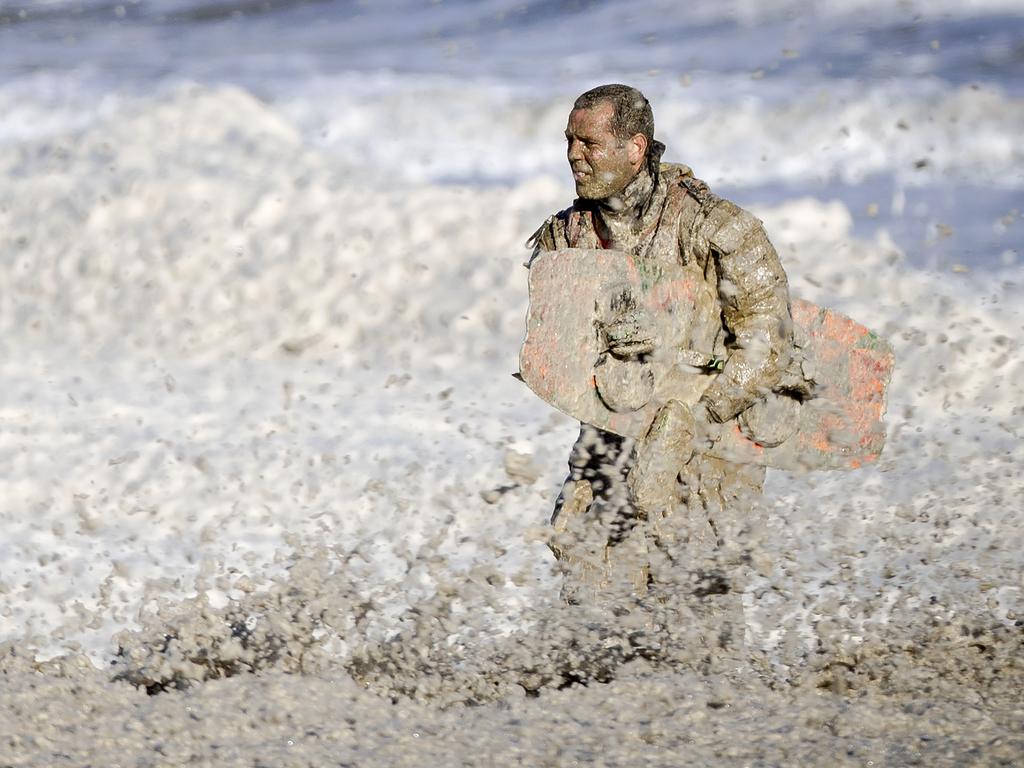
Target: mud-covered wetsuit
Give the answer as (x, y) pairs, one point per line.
(741, 314)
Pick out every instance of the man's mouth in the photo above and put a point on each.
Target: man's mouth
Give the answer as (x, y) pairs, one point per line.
(580, 175)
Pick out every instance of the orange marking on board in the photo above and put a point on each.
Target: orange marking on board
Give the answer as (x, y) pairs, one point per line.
(667, 293)
(738, 434)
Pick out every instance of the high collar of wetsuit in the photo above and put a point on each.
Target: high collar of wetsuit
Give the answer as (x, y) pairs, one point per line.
(633, 201)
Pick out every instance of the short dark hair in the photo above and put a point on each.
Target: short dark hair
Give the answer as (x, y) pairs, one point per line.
(631, 111)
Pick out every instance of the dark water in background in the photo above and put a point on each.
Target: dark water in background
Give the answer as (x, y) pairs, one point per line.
(250, 41)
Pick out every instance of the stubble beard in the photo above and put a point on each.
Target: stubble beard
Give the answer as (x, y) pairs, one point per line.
(601, 186)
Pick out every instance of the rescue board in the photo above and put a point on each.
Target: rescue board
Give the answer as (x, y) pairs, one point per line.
(564, 360)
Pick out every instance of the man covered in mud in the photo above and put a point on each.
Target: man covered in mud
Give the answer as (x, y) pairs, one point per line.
(657, 516)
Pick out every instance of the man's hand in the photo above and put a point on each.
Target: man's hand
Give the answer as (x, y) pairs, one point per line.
(630, 334)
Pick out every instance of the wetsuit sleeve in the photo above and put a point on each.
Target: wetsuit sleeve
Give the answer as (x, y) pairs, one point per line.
(754, 294)
(550, 236)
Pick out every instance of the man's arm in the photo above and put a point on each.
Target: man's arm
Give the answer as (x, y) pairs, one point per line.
(754, 292)
(550, 236)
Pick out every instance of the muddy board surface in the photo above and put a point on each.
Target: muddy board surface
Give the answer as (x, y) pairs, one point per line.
(564, 362)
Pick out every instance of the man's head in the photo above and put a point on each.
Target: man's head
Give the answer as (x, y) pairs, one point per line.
(609, 139)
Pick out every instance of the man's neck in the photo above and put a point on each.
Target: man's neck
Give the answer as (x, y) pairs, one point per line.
(631, 200)
(620, 214)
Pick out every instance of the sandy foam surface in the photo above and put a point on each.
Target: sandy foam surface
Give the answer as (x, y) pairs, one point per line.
(242, 373)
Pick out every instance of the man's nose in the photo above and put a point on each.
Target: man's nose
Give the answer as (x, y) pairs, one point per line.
(575, 150)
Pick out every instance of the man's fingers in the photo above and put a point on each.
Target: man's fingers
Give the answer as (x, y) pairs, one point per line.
(630, 335)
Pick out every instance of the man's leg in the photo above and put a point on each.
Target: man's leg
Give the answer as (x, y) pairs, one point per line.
(593, 520)
(699, 550)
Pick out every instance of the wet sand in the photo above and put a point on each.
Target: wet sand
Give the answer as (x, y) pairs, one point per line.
(253, 687)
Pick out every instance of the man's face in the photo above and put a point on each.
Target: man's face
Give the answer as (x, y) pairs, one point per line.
(602, 165)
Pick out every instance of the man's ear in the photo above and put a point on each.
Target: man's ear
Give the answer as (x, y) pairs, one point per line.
(637, 149)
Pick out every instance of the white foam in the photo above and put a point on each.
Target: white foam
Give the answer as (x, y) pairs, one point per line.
(220, 341)
(920, 132)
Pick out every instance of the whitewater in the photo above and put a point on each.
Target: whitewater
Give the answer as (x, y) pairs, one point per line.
(271, 494)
